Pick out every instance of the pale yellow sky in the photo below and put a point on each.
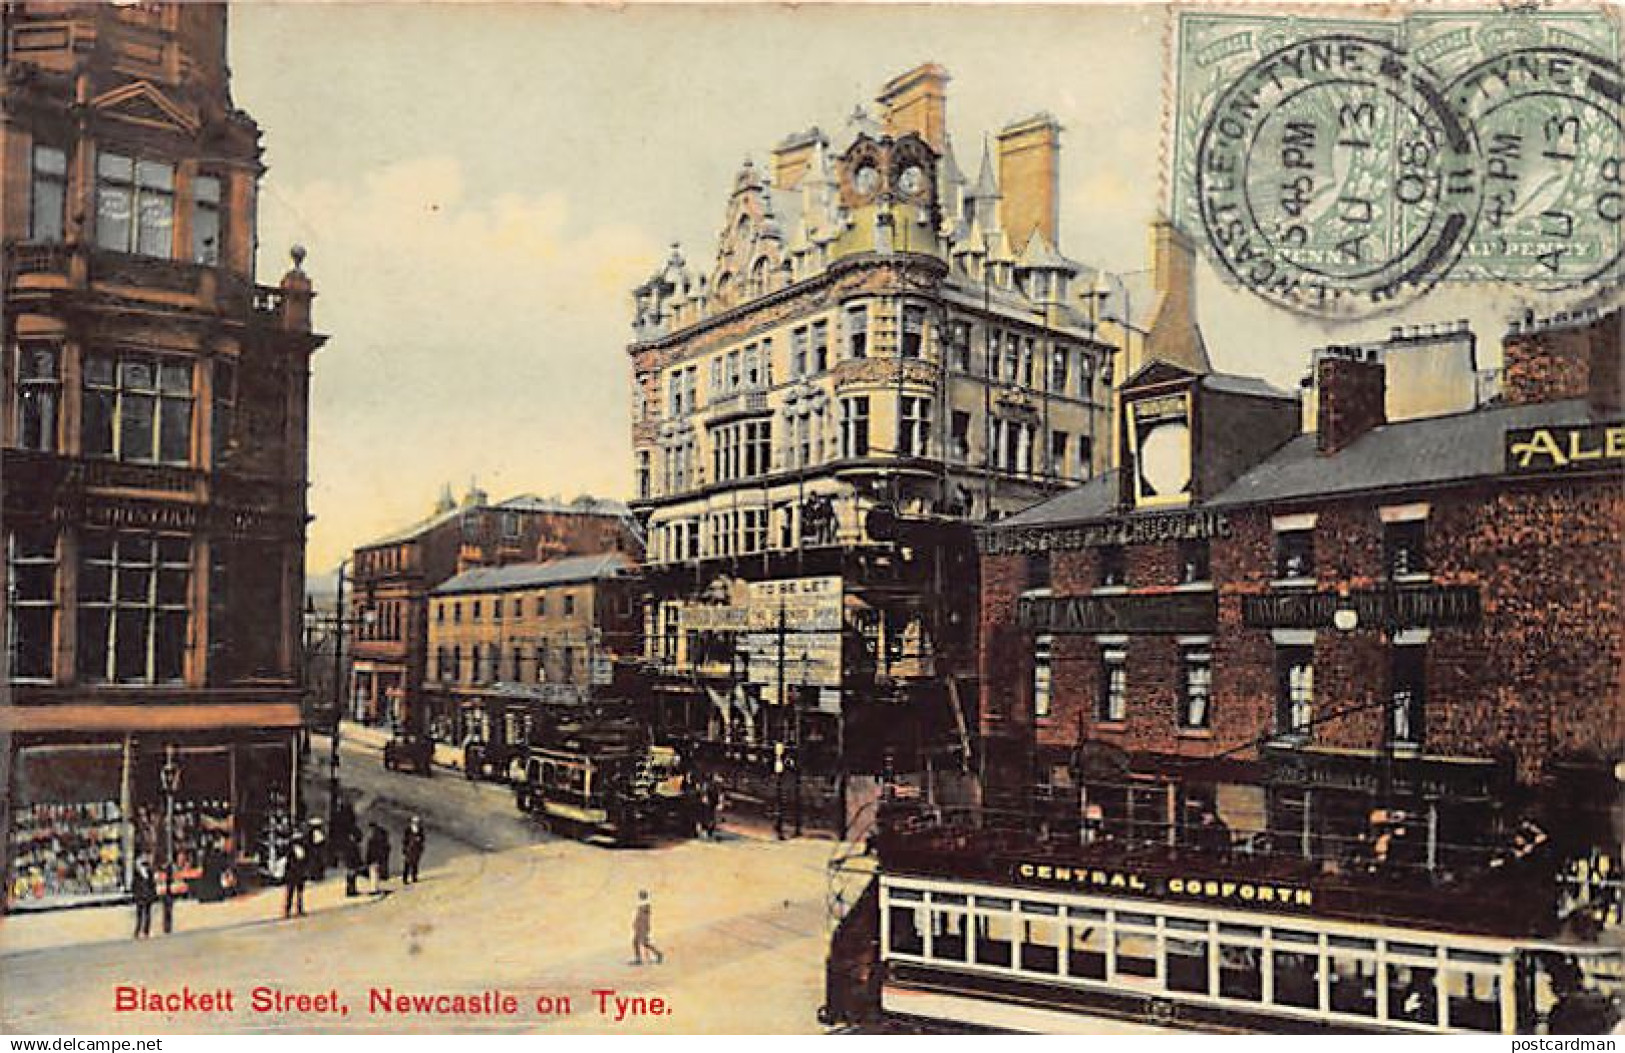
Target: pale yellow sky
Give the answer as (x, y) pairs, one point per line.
(479, 186)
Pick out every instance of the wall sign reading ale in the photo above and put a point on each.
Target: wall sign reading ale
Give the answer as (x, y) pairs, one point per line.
(1567, 448)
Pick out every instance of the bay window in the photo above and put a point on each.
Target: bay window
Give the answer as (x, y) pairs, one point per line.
(135, 205)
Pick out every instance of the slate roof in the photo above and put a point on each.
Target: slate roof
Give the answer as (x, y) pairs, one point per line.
(1095, 499)
(1425, 452)
(530, 575)
(1430, 451)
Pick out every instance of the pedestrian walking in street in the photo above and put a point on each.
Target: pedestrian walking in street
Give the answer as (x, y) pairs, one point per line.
(378, 857)
(642, 925)
(353, 860)
(293, 880)
(713, 806)
(144, 890)
(412, 843)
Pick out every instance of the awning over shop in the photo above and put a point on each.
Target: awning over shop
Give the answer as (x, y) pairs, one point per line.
(208, 717)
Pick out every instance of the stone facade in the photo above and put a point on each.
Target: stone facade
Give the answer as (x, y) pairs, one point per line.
(154, 421)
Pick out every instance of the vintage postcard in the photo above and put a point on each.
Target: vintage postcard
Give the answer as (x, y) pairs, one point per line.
(531, 518)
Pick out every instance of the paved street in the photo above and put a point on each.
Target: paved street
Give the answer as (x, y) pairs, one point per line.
(502, 908)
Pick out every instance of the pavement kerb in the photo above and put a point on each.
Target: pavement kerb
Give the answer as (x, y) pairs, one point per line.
(29, 931)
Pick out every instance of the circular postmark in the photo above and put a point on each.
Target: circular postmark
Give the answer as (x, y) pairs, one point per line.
(1549, 124)
(1333, 177)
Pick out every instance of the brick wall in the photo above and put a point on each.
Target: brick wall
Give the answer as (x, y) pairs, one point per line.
(1352, 400)
(1564, 362)
(1538, 678)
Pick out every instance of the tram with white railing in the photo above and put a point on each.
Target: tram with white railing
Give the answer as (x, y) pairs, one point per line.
(1010, 958)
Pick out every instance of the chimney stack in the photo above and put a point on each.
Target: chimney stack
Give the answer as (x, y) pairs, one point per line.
(1030, 179)
(792, 157)
(1565, 357)
(1172, 334)
(1351, 385)
(917, 101)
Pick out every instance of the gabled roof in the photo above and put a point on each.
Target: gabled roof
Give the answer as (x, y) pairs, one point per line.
(531, 575)
(1429, 451)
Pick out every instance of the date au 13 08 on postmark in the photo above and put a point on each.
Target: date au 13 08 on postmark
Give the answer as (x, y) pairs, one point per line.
(1345, 166)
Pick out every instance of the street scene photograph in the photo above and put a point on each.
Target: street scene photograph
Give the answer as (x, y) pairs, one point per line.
(836, 519)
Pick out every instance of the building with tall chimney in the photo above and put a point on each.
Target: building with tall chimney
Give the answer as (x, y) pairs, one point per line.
(155, 467)
(1299, 729)
(883, 348)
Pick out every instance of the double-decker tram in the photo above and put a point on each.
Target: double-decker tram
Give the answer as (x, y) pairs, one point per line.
(1010, 957)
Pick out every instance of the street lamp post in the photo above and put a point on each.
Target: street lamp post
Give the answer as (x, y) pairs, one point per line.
(338, 708)
(169, 781)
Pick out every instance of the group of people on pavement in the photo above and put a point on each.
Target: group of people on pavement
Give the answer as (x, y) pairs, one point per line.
(309, 853)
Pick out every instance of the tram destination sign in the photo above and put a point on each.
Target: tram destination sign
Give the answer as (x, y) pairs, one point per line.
(1410, 608)
(1176, 612)
(1226, 890)
(1123, 530)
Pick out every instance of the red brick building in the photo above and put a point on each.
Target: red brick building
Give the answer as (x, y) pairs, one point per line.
(394, 575)
(1367, 676)
(154, 426)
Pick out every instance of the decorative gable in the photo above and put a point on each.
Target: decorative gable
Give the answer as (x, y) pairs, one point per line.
(140, 103)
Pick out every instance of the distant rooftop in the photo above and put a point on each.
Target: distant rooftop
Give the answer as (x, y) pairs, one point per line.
(565, 571)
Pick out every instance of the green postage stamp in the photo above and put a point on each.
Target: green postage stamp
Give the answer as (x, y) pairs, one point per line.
(1342, 166)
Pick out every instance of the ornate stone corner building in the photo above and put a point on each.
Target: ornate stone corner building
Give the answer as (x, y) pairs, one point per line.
(154, 423)
(881, 351)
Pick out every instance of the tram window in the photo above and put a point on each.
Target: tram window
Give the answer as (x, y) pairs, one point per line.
(993, 942)
(948, 935)
(1241, 973)
(986, 903)
(1187, 965)
(948, 897)
(1297, 979)
(1475, 998)
(1136, 954)
(1086, 912)
(1049, 909)
(1241, 930)
(1040, 944)
(907, 934)
(1087, 954)
(1125, 918)
(913, 895)
(1413, 993)
(1293, 936)
(1353, 984)
(1414, 950)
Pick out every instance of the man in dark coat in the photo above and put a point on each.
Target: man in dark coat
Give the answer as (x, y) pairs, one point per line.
(353, 860)
(144, 890)
(293, 881)
(412, 843)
